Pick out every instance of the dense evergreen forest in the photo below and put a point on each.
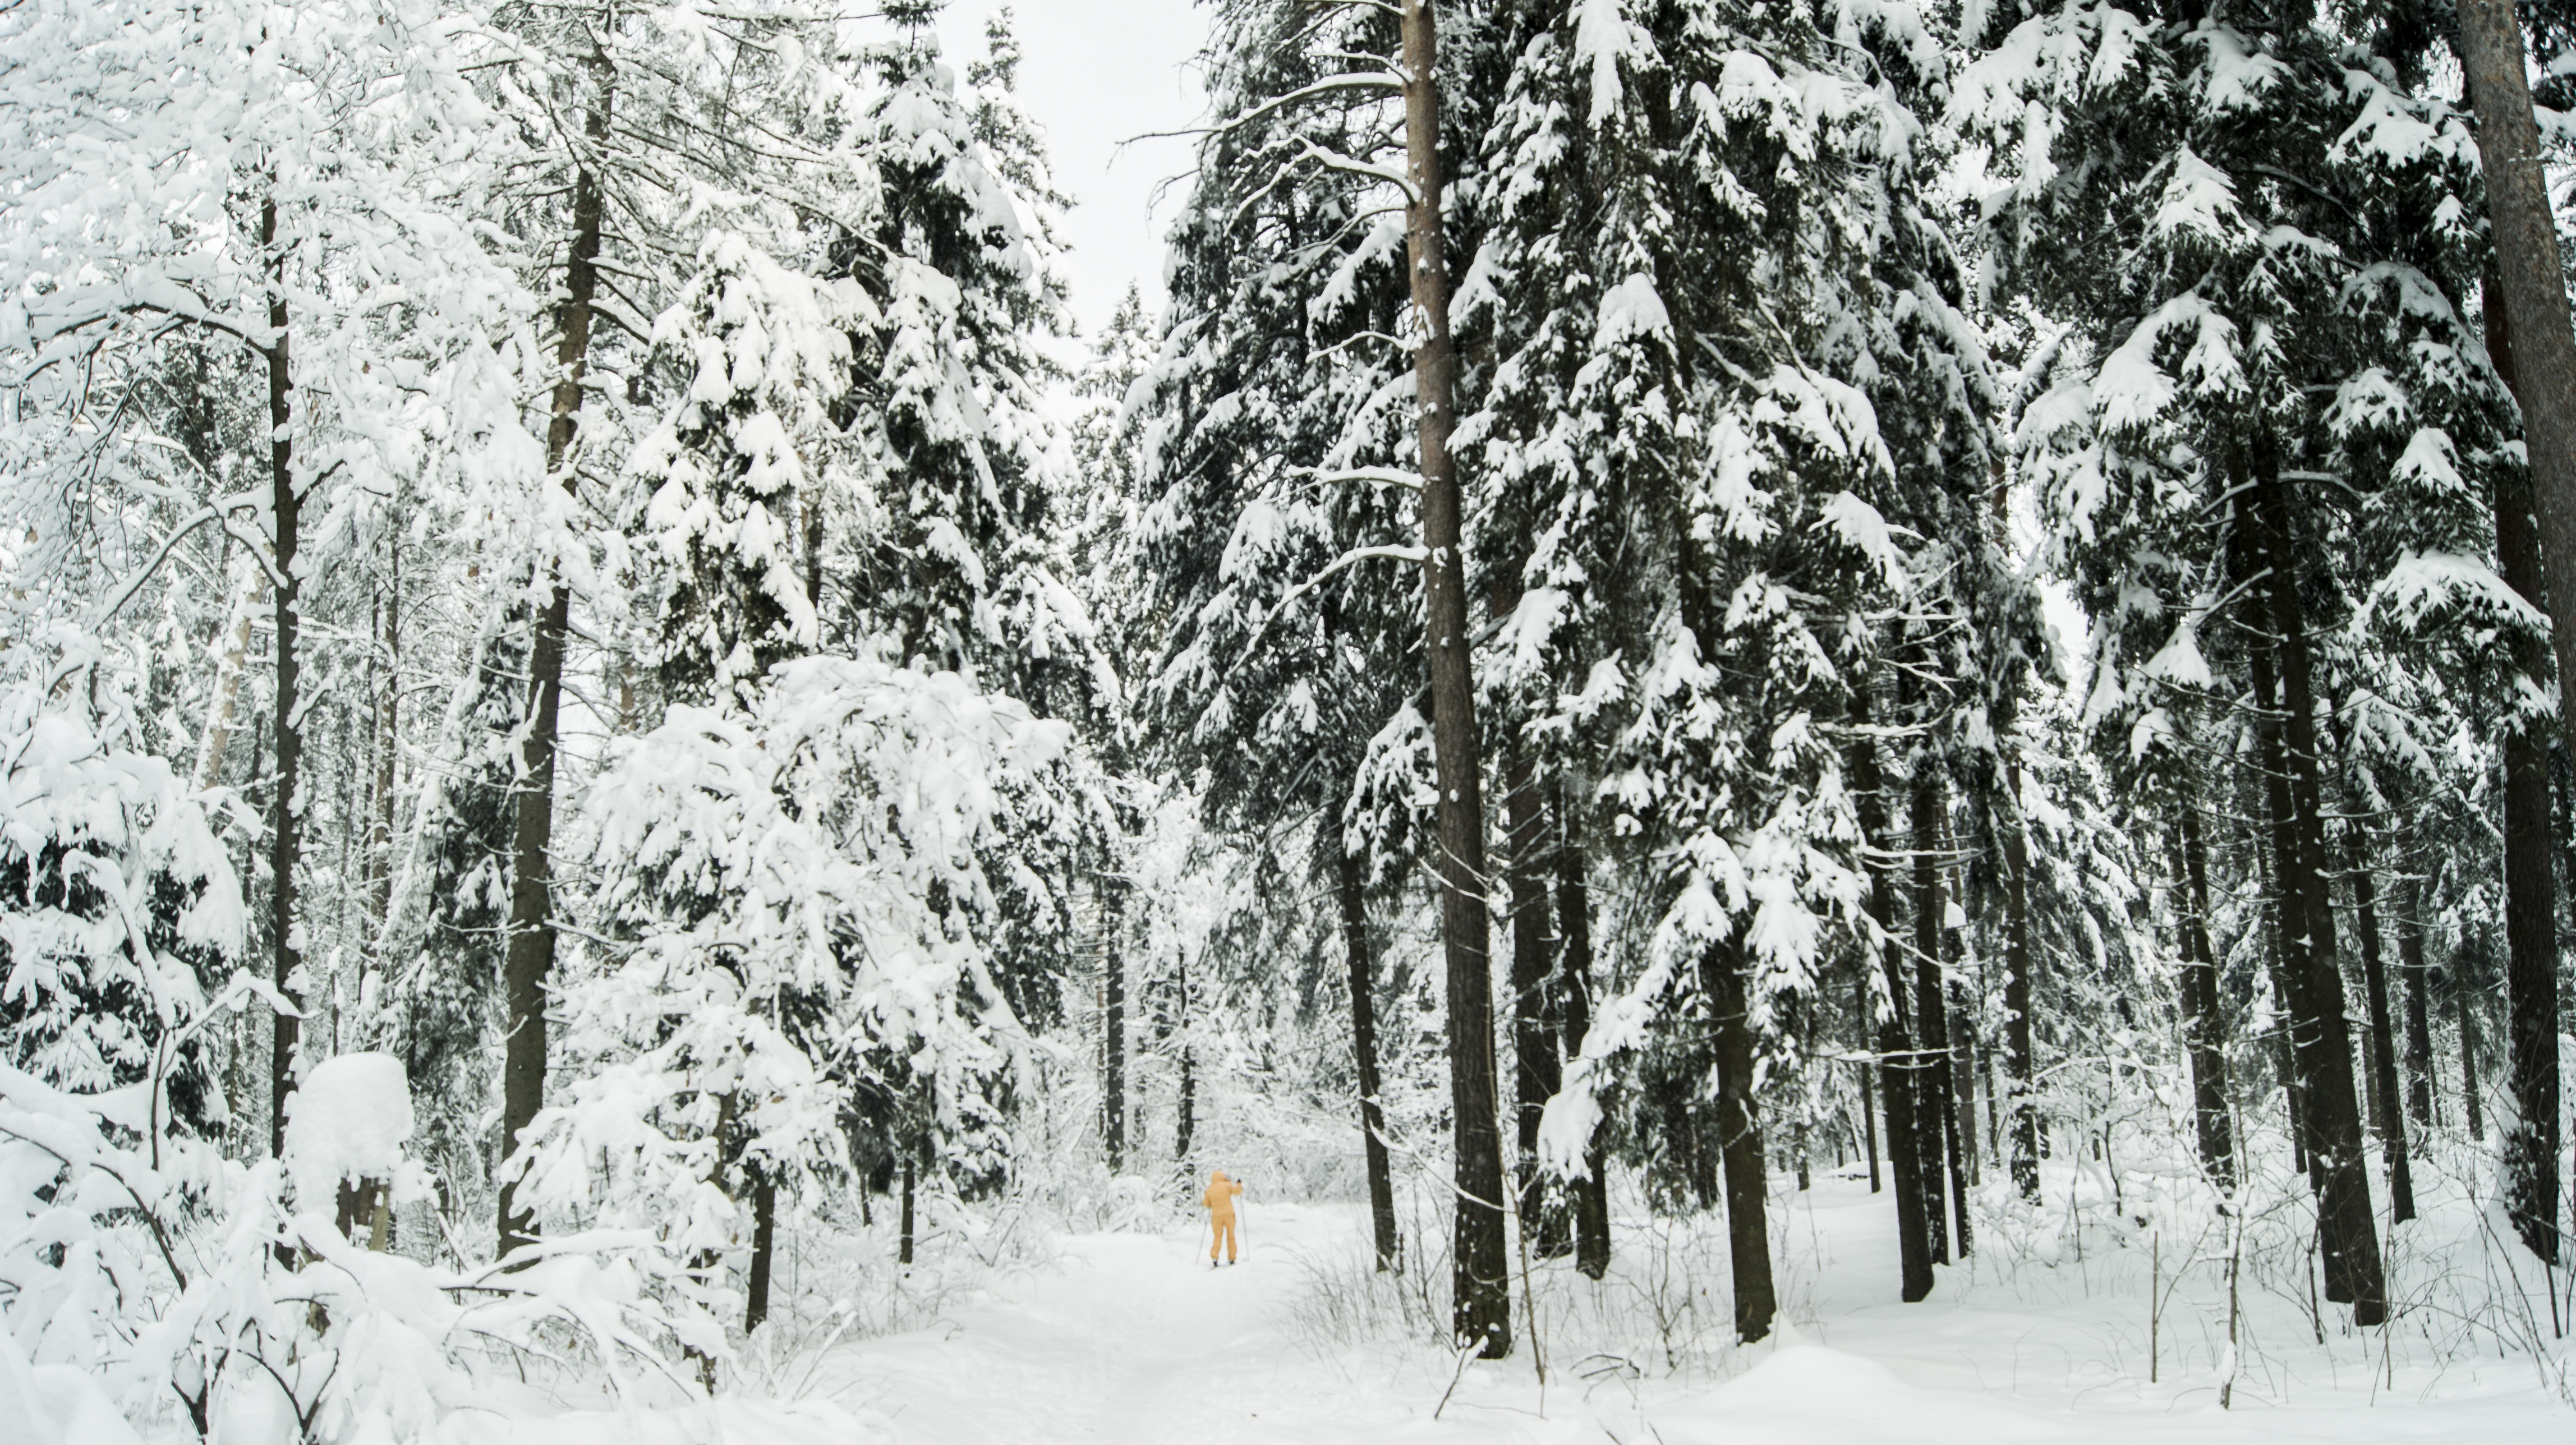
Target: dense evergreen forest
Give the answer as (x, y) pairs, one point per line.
(1685, 602)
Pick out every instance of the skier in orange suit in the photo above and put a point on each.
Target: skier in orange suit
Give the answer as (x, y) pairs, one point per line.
(1219, 1203)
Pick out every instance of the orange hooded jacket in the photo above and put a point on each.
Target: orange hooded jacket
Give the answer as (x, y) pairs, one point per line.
(1219, 1199)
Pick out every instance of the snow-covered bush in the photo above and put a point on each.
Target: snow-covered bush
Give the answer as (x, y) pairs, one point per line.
(138, 1265)
(795, 898)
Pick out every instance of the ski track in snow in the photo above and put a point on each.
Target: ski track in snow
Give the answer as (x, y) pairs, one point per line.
(1132, 1338)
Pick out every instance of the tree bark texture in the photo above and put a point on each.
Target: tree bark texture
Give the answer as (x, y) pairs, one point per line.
(2419, 1020)
(1189, 1101)
(1868, 1099)
(285, 840)
(251, 589)
(903, 1244)
(2204, 1031)
(2385, 1111)
(2530, 883)
(1739, 1132)
(2024, 1121)
(1481, 1281)
(1363, 984)
(2350, 1235)
(2533, 288)
(1964, 1053)
(1536, 1071)
(1591, 1193)
(2469, 1046)
(764, 1251)
(1113, 1022)
(1935, 1093)
(1896, 1074)
(528, 965)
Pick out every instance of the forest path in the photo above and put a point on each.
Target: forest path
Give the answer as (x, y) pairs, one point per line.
(1131, 1338)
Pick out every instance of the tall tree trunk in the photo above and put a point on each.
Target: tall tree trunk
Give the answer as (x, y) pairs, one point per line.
(764, 1250)
(2351, 1243)
(285, 823)
(1963, 1076)
(1481, 1280)
(1113, 1023)
(1536, 1072)
(1964, 1051)
(2419, 1021)
(380, 831)
(529, 964)
(2276, 919)
(1363, 983)
(1189, 1102)
(1914, 1214)
(814, 557)
(1739, 1134)
(1868, 1103)
(1591, 1193)
(2204, 1032)
(2531, 904)
(2469, 1046)
(2384, 1108)
(2533, 288)
(2024, 1125)
(1944, 1184)
(903, 1243)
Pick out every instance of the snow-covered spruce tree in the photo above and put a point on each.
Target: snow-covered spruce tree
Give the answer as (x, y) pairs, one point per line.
(1276, 537)
(956, 258)
(124, 918)
(955, 550)
(760, 356)
(1955, 658)
(764, 355)
(1665, 400)
(2254, 423)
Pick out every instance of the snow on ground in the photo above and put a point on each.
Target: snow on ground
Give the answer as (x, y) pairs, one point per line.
(1132, 1338)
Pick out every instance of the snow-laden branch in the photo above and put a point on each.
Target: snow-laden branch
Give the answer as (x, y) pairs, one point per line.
(1348, 559)
(1386, 476)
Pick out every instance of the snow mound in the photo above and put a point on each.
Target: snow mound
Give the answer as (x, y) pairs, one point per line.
(55, 1404)
(348, 1121)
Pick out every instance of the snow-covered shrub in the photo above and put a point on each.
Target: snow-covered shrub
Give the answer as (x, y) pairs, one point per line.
(795, 896)
(139, 1266)
(116, 906)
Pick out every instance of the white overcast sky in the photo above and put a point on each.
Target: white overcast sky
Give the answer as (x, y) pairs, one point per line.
(1094, 73)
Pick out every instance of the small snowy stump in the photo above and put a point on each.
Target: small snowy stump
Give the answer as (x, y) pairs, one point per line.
(344, 1137)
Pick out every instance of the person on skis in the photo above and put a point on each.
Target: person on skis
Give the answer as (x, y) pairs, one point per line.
(1219, 1203)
